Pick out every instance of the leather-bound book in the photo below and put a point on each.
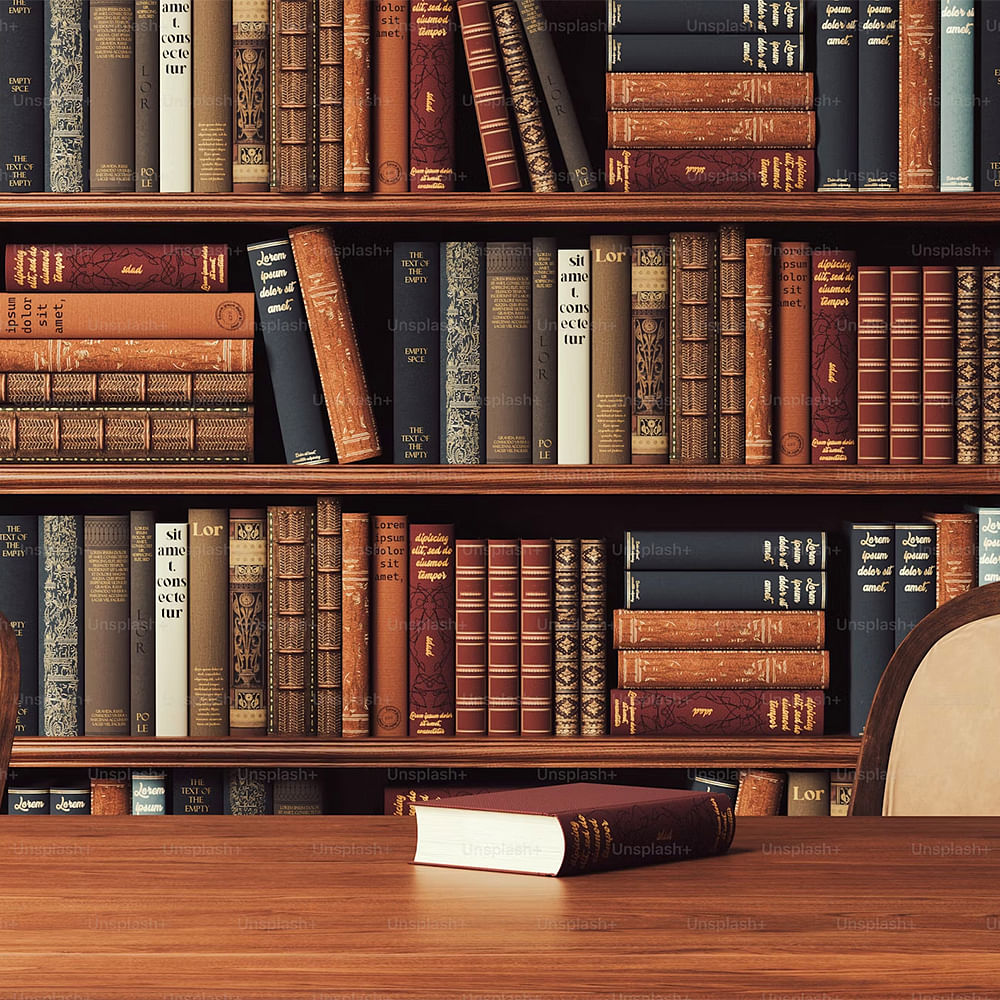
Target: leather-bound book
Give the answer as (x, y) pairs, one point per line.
(834, 422)
(544, 366)
(432, 95)
(792, 344)
(486, 78)
(760, 792)
(399, 801)
(695, 17)
(914, 577)
(956, 554)
(958, 95)
(610, 354)
(919, 102)
(431, 632)
(110, 794)
(126, 388)
(329, 617)
(938, 388)
(345, 391)
(175, 95)
(156, 354)
(726, 590)
(720, 129)
(23, 125)
(391, 600)
(298, 797)
(759, 630)
(536, 664)
(247, 621)
(106, 613)
(357, 96)
(19, 597)
(723, 668)
(470, 637)
(661, 52)
(968, 364)
(759, 319)
(593, 637)
(566, 635)
(196, 791)
(66, 93)
(990, 432)
(293, 108)
(247, 792)
(251, 95)
(873, 365)
(837, 81)
(142, 624)
(808, 793)
(878, 79)
(650, 333)
(290, 601)
(212, 97)
(356, 596)
(171, 629)
(391, 115)
(503, 623)
(330, 89)
(112, 76)
(725, 550)
(905, 348)
(573, 402)
(732, 345)
(713, 91)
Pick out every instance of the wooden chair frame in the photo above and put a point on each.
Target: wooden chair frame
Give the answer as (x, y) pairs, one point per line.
(10, 688)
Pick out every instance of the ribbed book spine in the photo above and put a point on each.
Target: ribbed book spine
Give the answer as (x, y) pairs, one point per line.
(873, 365)
(142, 604)
(19, 601)
(66, 131)
(904, 365)
(650, 333)
(573, 354)
(536, 663)
(990, 432)
(503, 654)
(792, 337)
(329, 617)
(544, 294)
(958, 96)
(919, 131)
(432, 95)
(175, 95)
(112, 76)
(330, 88)
(247, 618)
(171, 628)
(732, 345)
(968, 364)
(915, 576)
(593, 637)
(390, 615)
(147, 94)
(357, 95)
(124, 388)
(878, 111)
(759, 319)
(837, 43)
(251, 95)
(470, 637)
(938, 395)
(293, 108)
(391, 115)
(357, 625)
(212, 97)
(566, 635)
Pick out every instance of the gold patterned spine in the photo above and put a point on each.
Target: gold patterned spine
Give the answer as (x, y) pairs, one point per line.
(247, 595)
(650, 300)
(759, 351)
(357, 624)
(991, 366)
(329, 621)
(330, 89)
(732, 345)
(968, 365)
(566, 634)
(251, 146)
(357, 95)
(593, 637)
(125, 388)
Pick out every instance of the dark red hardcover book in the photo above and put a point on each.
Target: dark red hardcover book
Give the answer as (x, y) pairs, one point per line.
(904, 365)
(432, 95)
(470, 637)
(503, 634)
(432, 635)
(834, 423)
(536, 636)
(873, 365)
(938, 397)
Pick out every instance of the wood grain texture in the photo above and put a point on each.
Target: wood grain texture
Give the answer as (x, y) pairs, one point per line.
(10, 687)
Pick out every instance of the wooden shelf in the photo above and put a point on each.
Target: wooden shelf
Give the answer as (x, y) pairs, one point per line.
(606, 752)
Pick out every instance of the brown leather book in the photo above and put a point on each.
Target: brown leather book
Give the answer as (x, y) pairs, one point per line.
(544, 361)
(938, 395)
(760, 792)
(112, 76)
(722, 129)
(957, 562)
(990, 432)
(968, 365)
(566, 635)
(808, 793)
(293, 120)
(125, 388)
(610, 350)
(593, 637)
(470, 637)
(919, 95)
(330, 94)
(357, 95)
(732, 345)
(904, 365)
(329, 617)
(794, 374)
(759, 319)
(723, 668)
(357, 625)
(331, 327)
(432, 95)
(719, 629)
(110, 795)
(152, 355)
(212, 97)
(650, 332)
(399, 801)
(247, 621)
(251, 97)
(711, 91)
(391, 600)
(503, 655)
(873, 365)
(391, 114)
(536, 665)
(142, 613)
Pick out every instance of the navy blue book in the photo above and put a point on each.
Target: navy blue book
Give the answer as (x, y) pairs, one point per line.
(987, 116)
(19, 604)
(837, 95)
(762, 550)
(683, 53)
(705, 17)
(878, 105)
(915, 576)
(722, 590)
(22, 96)
(196, 791)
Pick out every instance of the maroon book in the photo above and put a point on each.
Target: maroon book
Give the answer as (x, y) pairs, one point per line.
(432, 636)
(905, 347)
(432, 95)
(873, 365)
(834, 423)
(503, 633)
(536, 636)
(470, 637)
(938, 396)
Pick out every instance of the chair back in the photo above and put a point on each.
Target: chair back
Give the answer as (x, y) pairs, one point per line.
(10, 688)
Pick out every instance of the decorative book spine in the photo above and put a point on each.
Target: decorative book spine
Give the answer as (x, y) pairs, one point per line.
(808, 793)
(356, 597)
(958, 92)
(593, 637)
(987, 117)
(247, 794)
(251, 93)
(121, 388)
(175, 95)
(196, 791)
(834, 427)
(106, 613)
(544, 323)
(432, 95)
(293, 120)
(66, 128)
(988, 545)
(837, 82)
(664, 52)
(508, 353)
(389, 634)
(212, 97)
(391, 114)
(19, 602)
(502, 638)
(171, 629)
(759, 319)
(873, 365)
(142, 623)
(725, 590)
(904, 365)
(247, 639)
(694, 348)
(329, 617)
(330, 82)
(732, 345)
(25, 799)
(956, 554)
(915, 578)
(878, 116)
(918, 95)
(110, 796)
(431, 632)
(722, 129)
(298, 797)
(60, 624)
(536, 662)
(573, 356)
(156, 354)
(792, 319)
(766, 630)
(290, 586)
(335, 344)
(566, 635)
(990, 432)
(714, 91)
(650, 297)
(760, 793)
(470, 637)
(357, 96)
(488, 96)
(112, 76)
(724, 669)
(524, 97)
(463, 353)
(610, 357)
(968, 364)
(149, 793)
(22, 97)
(938, 396)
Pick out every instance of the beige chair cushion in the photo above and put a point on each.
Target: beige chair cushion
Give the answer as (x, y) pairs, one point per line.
(944, 750)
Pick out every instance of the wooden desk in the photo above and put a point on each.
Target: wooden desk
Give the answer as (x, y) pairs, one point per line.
(328, 908)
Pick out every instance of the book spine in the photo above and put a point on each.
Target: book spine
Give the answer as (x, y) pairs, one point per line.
(432, 95)
(22, 96)
(470, 637)
(69, 801)
(723, 129)
(247, 638)
(330, 85)
(106, 613)
(878, 85)
(990, 393)
(938, 395)
(544, 364)
(708, 712)
(196, 791)
(298, 797)
(246, 794)
(918, 95)
(792, 340)
(251, 113)
(988, 544)
(502, 638)
(650, 325)
(712, 91)
(175, 95)
(66, 126)
(171, 629)
(329, 617)
(357, 625)
(536, 656)
(60, 623)
(335, 344)
(357, 96)
(662, 52)
(915, 576)
(290, 602)
(19, 601)
(212, 97)
(573, 357)
(719, 629)
(732, 345)
(716, 17)
(110, 796)
(566, 635)
(759, 321)
(724, 550)
(873, 365)
(725, 669)
(955, 558)
(463, 353)
(904, 365)
(958, 96)
(694, 348)
(431, 631)
(968, 364)
(808, 793)
(112, 75)
(293, 110)
(149, 793)
(582, 175)
(152, 355)
(508, 353)
(987, 118)
(390, 596)
(142, 606)
(593, 637)
(525, 97)
(658, 590)
(760, 792)
(837, 45)
(834, 424)
(391, 115)
(289, 353)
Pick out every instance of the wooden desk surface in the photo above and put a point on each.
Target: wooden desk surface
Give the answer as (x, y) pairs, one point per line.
(328, 908)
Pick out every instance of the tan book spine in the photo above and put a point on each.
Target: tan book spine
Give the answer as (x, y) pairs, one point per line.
(718, 129)
(357, 95)
(212, 96)
(153, 355)
(391, 114)
(919, 97)
(760, 793)
(759, 351)
(251, 111)
(593, 637)
(112, 76)
(357, 626)
(247, 638)
(389, 635)
(723, 668)
(794, 376)
(712, 91)
(732, 345)
(330, 86)
(808, 793)
(329, 617)
(125, 388)
(719, 629)
(650, 332)
(957, 562)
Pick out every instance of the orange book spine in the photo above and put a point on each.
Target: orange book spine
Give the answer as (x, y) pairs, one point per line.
(723, 668)
(152, 355)
(357, 95)
(392, 112)
(357, 626)
(713, 91)
(389, 635)
(759, 352)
